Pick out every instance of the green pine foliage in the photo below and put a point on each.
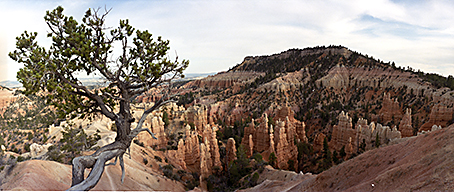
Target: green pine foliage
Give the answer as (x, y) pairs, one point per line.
(75, 140)
(28, 112)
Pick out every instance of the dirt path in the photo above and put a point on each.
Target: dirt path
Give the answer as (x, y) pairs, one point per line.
(107, 171)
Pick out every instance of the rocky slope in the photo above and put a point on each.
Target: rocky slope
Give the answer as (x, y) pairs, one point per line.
(421, 163)
(301, 110)
(318, 84)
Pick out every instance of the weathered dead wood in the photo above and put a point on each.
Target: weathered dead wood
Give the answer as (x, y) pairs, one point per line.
(97, 161)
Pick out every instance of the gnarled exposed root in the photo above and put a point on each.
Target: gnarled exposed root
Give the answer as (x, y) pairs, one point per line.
(97, 161)
(80, 163)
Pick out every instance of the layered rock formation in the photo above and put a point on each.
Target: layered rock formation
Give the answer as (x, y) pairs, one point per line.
(349, 149)
(440, 114)
(280, 140)
(425, 159)
(285, 150)
(260, 134)
(157, 127)
(250, 147)
(367, 135)
(261, 138)
(281, 145)
(192, 150)
(249, 130)
(197, 115)
(216, 157)
(338, 78)
(345, 136)
(296, 129)
(230, 151)
(405, 127)
(343, 132)
(318, 142)
(342, 77)
(180, 155)
(272, 149)
(224, 80)
(204, 165)
(390, 109)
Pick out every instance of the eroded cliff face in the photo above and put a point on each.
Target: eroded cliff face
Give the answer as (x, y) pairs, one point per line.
(405, 126)
(224, 80)
(260, 134)
(230, 151)
(363, 136)
(156, 125)
(343, 133)
(275, 104)
(390, 110)
(440, 114)
(343, 77)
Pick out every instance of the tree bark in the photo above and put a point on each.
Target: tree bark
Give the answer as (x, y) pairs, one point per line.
(97, 162)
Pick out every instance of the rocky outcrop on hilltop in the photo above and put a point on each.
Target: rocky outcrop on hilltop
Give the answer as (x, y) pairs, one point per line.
(224, 80)
(266, 63)
(405, 127)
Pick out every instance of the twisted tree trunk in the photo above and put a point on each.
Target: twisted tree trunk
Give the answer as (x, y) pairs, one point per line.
(97, 161)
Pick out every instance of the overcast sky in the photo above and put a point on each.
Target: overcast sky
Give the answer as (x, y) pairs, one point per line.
(216, 35)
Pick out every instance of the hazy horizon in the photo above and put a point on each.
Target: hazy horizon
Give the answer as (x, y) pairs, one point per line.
(216, 35)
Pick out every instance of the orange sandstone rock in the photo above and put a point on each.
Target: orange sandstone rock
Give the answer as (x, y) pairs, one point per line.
(390, 109)
(318, 142)
(439, 115)
(230, 150)
(405, 127)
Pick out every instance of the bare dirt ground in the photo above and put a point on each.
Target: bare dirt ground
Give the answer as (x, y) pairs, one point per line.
(39, 175)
